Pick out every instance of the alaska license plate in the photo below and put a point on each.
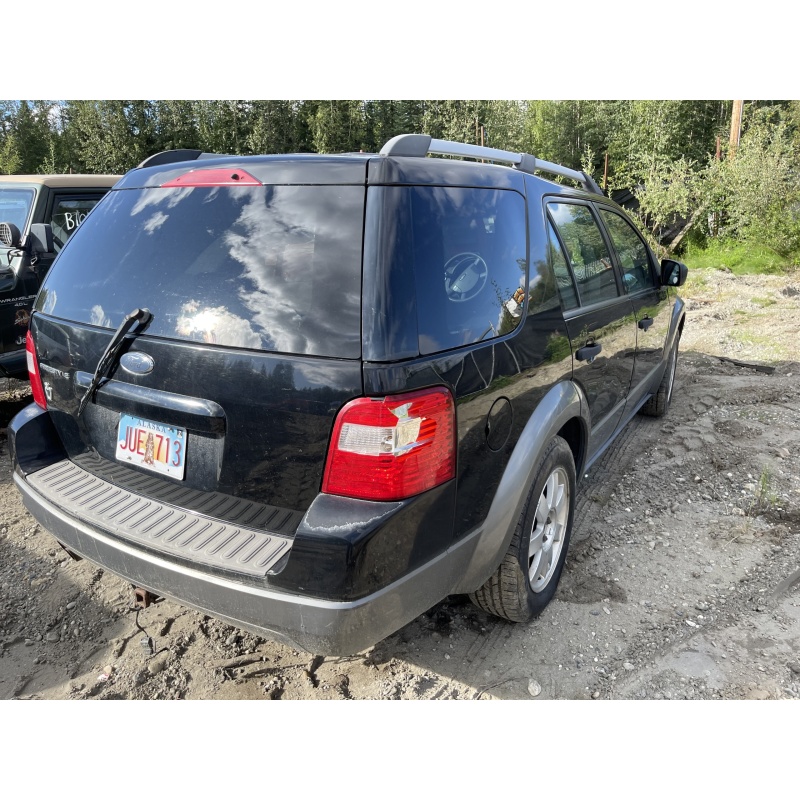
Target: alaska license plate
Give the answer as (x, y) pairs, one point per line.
(148, 444)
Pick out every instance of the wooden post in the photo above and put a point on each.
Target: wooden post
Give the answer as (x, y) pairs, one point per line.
(736, 127)
(605, 174)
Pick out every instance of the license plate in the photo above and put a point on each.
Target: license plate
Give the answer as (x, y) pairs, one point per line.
(148, 444)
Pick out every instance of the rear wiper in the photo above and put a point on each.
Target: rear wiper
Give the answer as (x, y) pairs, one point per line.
(140, 315)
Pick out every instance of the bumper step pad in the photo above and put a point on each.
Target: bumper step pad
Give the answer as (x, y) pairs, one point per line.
(159, 526)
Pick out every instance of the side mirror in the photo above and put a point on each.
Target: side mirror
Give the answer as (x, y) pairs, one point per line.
(40, 240)
(673, 273)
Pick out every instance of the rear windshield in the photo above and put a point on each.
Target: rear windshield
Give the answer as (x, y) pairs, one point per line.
(15, 205)
(268, 267)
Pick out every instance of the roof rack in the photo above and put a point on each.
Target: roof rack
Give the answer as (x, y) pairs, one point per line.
(419, 145)
(175, 157)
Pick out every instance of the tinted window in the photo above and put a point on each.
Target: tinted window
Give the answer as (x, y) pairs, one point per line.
(266, 267)
(15, 205)
(67, 214)
(631, 250)
(469, 254)
(587, 252)
(566, 287)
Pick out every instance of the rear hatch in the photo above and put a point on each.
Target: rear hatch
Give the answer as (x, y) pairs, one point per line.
(223, 403)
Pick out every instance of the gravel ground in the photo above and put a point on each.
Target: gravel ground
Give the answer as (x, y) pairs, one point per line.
(683, 579)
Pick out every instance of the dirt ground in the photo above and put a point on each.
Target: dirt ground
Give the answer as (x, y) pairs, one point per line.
(683, 578)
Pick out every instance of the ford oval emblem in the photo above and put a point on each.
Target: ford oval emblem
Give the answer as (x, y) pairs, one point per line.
(137, 363)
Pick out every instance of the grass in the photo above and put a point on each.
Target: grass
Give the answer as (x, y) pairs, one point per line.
(764, 495)
(741, 258)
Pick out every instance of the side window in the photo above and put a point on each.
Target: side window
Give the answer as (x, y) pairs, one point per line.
(67, 215)
(566, 287)
(587, 252)
(631, 250)
(470, 263)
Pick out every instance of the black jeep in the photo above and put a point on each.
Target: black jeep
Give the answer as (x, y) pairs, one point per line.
(314, 395)
(38, 213)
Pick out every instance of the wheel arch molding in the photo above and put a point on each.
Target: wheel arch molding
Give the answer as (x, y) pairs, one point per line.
(563, 410)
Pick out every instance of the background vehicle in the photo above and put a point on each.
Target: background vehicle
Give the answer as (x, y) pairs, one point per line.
(314, 395)
(38, 213)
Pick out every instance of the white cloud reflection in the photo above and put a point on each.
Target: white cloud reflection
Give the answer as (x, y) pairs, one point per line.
(300, 302)
(216, 325)
(100, 318)
(155, 222)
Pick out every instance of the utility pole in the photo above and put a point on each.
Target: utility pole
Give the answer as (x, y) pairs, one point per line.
(736, 127)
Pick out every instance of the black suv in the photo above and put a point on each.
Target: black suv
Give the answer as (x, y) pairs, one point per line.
(314, 395)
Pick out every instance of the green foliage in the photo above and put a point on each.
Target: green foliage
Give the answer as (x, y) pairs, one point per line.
(741, 258)
(337, 126)
(109, 136)
(673, 189)
(10, 160)
(663, 150)
(759, 190)
(648, 135)
(753, 196)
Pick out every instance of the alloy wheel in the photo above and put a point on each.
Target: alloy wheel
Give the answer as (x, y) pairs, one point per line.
(548, 529)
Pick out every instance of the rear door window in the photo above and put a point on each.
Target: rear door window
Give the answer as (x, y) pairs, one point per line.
(266, 267)
(587, 251)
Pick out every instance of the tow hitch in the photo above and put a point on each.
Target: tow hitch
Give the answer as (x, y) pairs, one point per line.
(142, 598)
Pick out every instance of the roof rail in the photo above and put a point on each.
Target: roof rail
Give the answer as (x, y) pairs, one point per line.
(170, 157)
(419, 145)
(175, 157)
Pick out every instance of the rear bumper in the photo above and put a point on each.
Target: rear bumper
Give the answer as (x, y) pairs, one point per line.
(318, 626)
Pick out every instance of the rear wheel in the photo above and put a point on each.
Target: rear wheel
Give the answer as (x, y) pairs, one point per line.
(658, 404)
(528, 576)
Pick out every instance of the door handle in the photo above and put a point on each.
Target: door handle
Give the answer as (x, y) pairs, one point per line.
(588, 352)
(645, 323)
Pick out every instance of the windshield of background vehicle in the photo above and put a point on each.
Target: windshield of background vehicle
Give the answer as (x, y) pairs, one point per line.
(267, 267)
(15, 206)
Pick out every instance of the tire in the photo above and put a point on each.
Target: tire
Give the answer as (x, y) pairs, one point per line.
(658, 404)
(528, 576)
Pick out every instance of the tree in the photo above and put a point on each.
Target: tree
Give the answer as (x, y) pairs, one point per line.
(174, 125)
(754, 196)
(9, 155)
(222, 125)
(30, 128)
(110, 136)
(273, 127)
(338, 126)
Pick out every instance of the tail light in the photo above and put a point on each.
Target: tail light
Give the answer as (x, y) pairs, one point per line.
(33, 372)
(390, 448)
